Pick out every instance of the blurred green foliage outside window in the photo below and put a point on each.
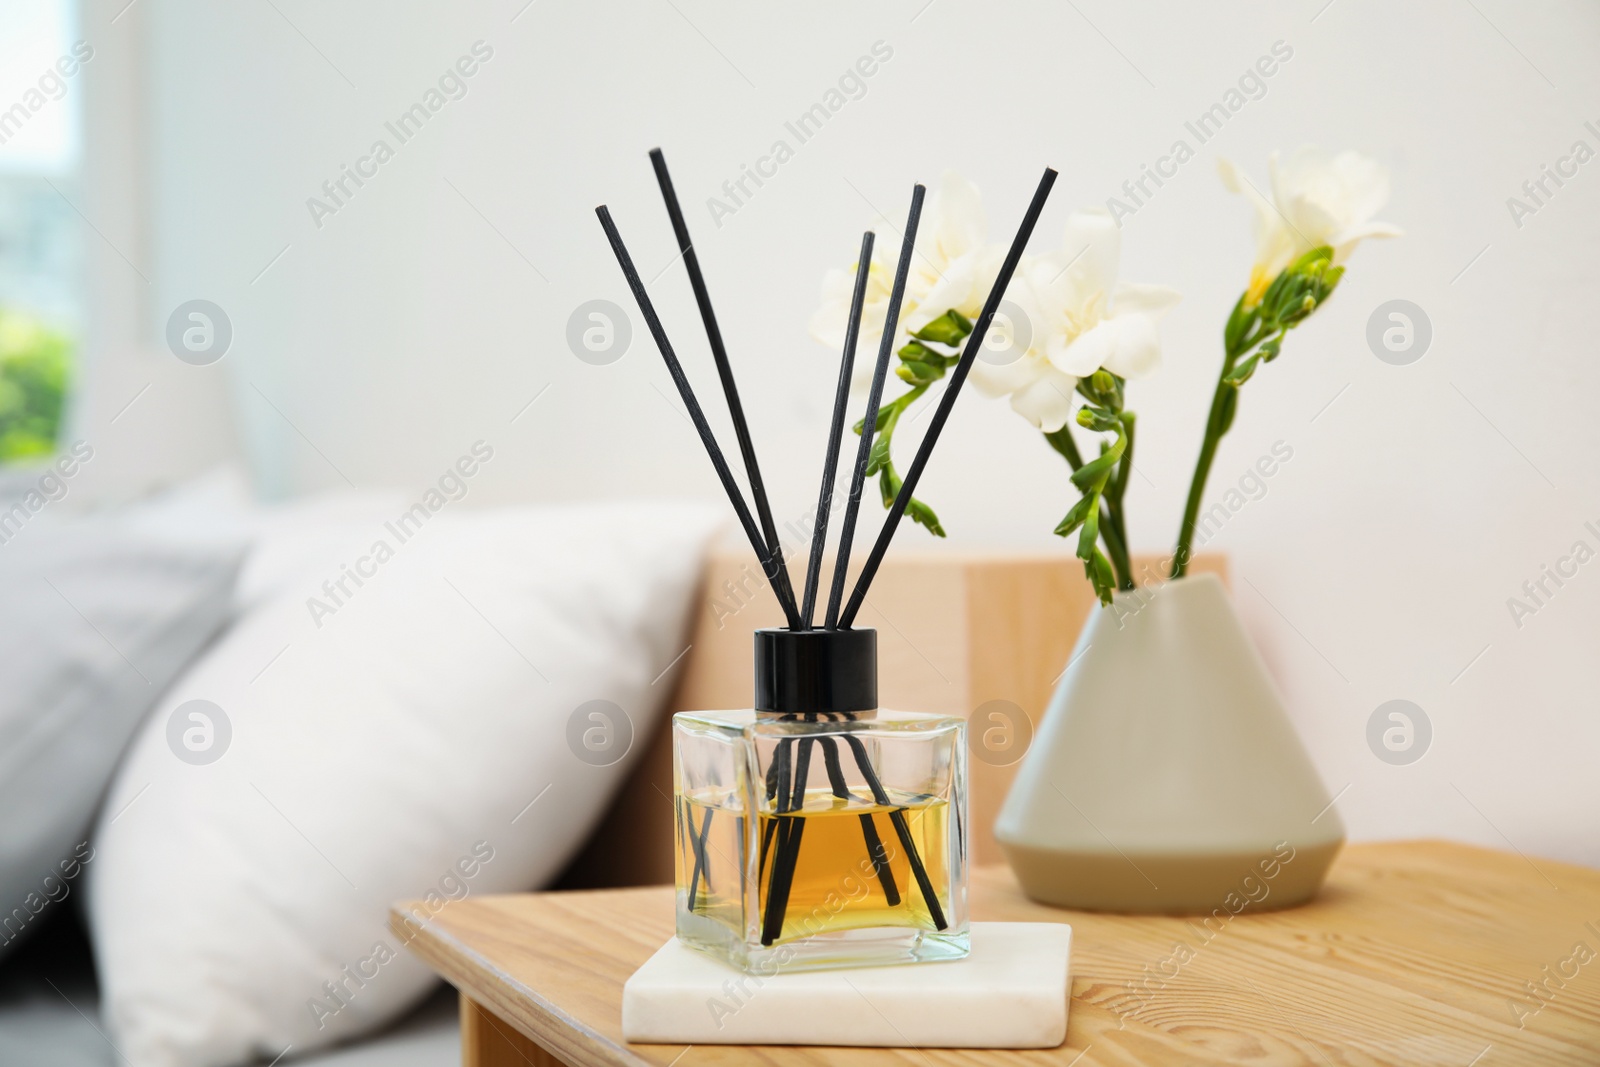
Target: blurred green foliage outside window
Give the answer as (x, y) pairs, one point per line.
(35, 368)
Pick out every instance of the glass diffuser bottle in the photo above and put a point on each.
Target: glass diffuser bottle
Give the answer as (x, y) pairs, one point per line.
(816, 830)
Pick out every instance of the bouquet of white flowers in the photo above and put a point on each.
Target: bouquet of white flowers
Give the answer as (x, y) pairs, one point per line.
(1069, 328)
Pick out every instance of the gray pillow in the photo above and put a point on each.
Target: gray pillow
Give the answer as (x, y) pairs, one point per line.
(96, 618)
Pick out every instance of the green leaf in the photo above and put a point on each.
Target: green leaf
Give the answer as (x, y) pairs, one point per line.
(1315, 259)
(1091, 529)
(1239, 323)
(1274, 294)
(1243, 371)
(923, 515)
(1101, 576)
(888, 486)
(878, 459)
(1074, 517)
(1092, 475)
(889, 411)
(1288, 299)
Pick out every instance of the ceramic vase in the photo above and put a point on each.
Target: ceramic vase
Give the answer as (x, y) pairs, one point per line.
(1166, 776)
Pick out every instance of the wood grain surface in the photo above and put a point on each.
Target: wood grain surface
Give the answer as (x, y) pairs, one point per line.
(489, 1041)
(1416, 954)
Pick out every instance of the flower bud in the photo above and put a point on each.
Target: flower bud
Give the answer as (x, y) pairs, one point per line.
(947, 329)
(917, 373)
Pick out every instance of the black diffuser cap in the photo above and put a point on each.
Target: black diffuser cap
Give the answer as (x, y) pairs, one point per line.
(816, 671)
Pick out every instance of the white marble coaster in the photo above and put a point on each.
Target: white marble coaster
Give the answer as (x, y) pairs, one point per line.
(1011, 992)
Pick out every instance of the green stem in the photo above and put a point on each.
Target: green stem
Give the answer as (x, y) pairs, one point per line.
(1112, 529)
(1116, 544)
(1202, 470)
(1126, 467)
(1062, 442)
(1217, 424)
(1119, 519)
(1259, 328)
(889, 418)
(890, 481)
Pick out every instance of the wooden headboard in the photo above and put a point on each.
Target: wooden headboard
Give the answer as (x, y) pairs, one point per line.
(955, 630)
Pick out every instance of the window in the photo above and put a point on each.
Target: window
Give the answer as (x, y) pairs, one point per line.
(41, 239)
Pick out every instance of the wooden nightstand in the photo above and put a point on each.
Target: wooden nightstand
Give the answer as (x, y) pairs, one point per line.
(1416, 953)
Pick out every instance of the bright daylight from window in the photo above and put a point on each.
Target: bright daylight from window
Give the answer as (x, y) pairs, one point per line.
(40, 239)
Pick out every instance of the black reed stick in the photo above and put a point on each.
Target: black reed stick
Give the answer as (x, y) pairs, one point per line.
(902, 829)
(802, 773)
(958, 377)
(719, 355)
(777, 778)
(766, 845)
(869, 423)
(787, 858)
(770, 560)
(698, 841)
(841, 397)
(869, 829)
(790, 830)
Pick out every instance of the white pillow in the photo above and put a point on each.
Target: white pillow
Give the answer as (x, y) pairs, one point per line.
(288, 541)
(396, 739)
(100, 614)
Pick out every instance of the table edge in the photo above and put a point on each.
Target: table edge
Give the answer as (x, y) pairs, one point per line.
(445, 955)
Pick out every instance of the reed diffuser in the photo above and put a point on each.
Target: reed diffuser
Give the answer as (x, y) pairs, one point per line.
(866, 863)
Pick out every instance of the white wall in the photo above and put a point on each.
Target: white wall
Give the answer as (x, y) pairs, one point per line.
(433, 306)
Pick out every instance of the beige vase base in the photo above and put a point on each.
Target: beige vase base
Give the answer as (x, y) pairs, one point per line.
(1170, 882)
(1166, 775)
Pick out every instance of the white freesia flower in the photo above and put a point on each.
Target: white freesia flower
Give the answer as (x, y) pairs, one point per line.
(1079, 319)
(1317, 199)
(950, 268)
(830, 321)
